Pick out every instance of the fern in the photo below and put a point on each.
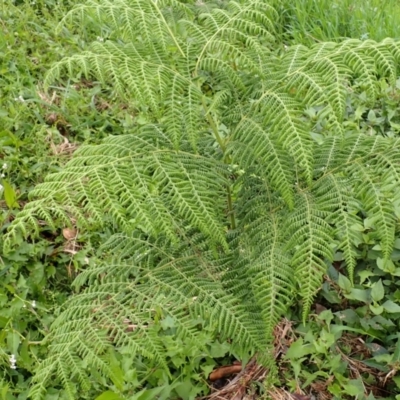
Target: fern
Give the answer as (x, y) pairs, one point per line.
(223, 204)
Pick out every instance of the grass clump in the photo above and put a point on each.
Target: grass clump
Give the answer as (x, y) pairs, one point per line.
(310, 21)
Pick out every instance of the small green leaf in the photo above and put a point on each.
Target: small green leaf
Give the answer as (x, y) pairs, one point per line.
(109, 395)
(383, 358)
(298, 349)
(364, 275)
(376, 309)
(13, 342)
(355, 387)
(340, 328)
(378, 291)
(326, 316)
(385, 265)
(218, 349)
(359, 295)
(396, 353)
(9, 195)
(391, 307)
(167, 322)
(344, 283)
(184, 389)
(396, 380)
(371, 116)
(147, 394)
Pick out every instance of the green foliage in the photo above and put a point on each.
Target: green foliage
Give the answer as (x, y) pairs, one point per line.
(37, 133)
(308, 21)
(223, 198)
(348, 345)
(237, 171)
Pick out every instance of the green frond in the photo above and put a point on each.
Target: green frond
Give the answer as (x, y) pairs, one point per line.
(280, 114)
(223, 208)
(361, 174)
(319, 75)
(269, 270)
(375, 198)
(362, 64)
(310, 89)
(384, 60)
(123, 312)
(311, 237)
(253, 146)
(344, 216)
(138, 185)
(260, 274)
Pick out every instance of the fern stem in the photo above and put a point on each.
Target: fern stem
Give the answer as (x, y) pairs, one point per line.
(222, 145)
(214, 127)
(168, 28)
(230, 209)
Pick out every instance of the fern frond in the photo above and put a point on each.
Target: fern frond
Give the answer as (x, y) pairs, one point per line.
(280, 114)
(269, 271)
(139, 185)
(254, 147)
(329, 67)
(311, 237)
(344, 216)
(377, 203)
(123, 312)
(361, 174)
(224, 202)
(375, 185)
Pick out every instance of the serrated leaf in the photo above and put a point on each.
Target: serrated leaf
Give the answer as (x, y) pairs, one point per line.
(298, 349)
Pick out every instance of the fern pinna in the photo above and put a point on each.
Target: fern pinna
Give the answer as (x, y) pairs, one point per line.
(228, 199)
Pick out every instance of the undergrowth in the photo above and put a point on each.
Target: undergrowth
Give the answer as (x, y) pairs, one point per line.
(229, 211)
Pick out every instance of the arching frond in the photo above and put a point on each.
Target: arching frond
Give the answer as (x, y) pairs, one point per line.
(224, 207)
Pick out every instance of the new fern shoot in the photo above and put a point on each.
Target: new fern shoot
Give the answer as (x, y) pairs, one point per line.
(228, 200)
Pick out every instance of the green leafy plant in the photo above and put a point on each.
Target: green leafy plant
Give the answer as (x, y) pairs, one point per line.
(338, 19)
(224, 200)
(350, 346)
(38, 131)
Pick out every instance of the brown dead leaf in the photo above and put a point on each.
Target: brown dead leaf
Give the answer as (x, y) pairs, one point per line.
(223, 372)
(69, 233)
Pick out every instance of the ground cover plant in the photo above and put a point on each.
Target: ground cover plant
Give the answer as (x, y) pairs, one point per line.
(239, 171)
(38, 133)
